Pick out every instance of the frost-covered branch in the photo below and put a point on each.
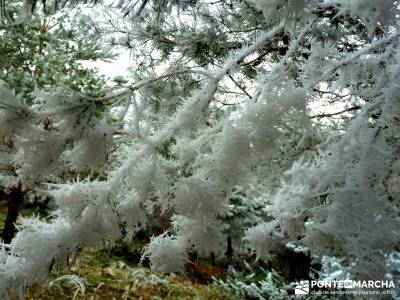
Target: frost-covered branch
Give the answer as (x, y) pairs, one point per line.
(185, 159)
(150, 81)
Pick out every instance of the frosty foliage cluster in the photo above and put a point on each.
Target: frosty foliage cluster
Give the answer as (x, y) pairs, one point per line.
(184, 144)
(244, 285)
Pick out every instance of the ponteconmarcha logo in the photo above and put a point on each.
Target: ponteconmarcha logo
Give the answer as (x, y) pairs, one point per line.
(302, 288)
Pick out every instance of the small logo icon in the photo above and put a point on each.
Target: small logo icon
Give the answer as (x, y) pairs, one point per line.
(302, 288)
(348, 284)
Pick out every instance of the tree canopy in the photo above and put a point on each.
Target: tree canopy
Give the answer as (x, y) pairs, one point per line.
(273, 122)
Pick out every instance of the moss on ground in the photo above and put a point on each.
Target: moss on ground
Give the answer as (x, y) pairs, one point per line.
(108, 276)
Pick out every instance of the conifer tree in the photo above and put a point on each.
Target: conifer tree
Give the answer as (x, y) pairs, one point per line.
(43, 53)
(222, 105)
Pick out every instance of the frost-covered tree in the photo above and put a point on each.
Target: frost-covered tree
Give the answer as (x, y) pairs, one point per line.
(36, 55)
(223, 101)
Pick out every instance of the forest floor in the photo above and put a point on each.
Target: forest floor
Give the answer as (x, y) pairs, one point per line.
(115, 273)
(108, 275)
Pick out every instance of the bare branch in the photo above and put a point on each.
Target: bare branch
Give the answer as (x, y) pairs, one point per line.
(353, 108)
(240, 86)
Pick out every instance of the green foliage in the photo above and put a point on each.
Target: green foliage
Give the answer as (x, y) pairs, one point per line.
(47, 52)
(166, 150)
(120, 80)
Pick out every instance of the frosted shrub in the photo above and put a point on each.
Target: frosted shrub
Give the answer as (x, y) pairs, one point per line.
(202, 235)
(264, 240)
(243, 285)
(167, 253)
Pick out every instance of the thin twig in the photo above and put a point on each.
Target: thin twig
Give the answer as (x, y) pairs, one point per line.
(240, 86)
(353, 108)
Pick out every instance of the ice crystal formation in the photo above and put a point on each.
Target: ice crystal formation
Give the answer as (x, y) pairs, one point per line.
(222, 103)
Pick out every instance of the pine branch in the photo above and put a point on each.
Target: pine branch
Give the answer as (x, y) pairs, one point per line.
(149, 81)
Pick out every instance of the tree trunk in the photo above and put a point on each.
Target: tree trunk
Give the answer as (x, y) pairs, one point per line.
(14, 202)
(229, 250)
(213, 263)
